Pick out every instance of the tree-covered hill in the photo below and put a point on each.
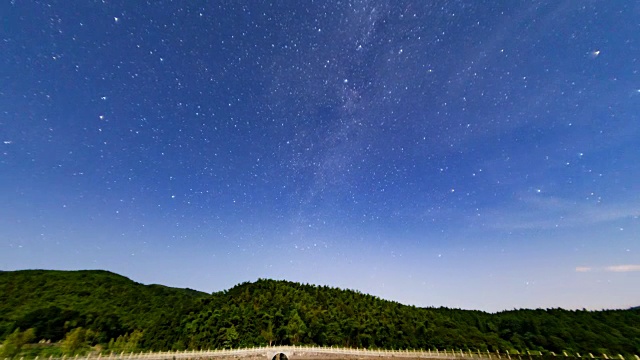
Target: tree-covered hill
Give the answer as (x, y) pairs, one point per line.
(55, 302)
(97, 308)
(283, 312)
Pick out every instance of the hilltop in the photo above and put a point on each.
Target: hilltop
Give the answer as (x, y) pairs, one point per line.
(117, 313)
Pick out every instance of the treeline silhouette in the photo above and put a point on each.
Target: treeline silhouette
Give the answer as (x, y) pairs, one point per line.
(59, 312)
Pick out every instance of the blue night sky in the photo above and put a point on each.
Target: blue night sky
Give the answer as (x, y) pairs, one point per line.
(461, 153)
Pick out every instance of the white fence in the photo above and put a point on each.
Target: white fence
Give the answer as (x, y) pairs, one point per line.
(314, 351)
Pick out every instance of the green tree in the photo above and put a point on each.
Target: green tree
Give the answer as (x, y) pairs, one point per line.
(267, 333)
(230, 337)
(14, 342)
(296, 328)
(74, 341)
(134, 340)
(126, 342)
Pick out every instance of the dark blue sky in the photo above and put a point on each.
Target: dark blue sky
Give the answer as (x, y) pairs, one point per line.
(457, 153)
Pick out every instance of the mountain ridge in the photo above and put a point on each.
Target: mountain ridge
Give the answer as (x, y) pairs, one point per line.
(116, 312)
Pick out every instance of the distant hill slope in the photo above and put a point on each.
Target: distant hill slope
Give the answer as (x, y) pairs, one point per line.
(53, 303)
(286, 312)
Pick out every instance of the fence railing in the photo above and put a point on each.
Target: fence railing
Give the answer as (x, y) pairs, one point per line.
(313, 351)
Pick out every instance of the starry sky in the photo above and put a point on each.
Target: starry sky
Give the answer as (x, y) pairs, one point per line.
(460, 153)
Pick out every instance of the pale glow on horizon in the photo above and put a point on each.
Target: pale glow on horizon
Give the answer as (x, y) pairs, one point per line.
(623, 268)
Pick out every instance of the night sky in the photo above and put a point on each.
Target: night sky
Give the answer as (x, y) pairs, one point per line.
(461, 153)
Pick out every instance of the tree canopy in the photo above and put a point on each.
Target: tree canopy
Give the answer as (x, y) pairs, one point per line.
(83, 309)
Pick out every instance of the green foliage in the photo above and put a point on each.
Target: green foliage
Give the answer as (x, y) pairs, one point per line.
(126, 343)
(75, 341)
(267, 334)
(271, 312)
(296, 328)
(229, 337)
(14, 342)
(96, 308)
(55, 302)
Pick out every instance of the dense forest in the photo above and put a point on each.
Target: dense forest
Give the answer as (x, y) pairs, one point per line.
(65, 312)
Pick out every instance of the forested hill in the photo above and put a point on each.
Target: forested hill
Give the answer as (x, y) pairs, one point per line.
(54, 302)
(108, 306)
(283, 312)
